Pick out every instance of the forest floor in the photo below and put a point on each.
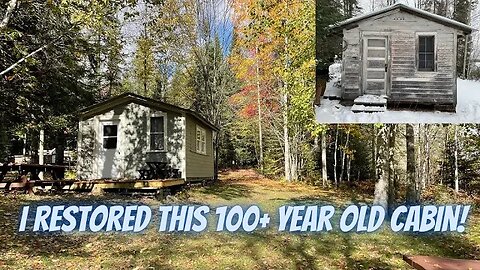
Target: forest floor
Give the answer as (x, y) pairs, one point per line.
(263, 249)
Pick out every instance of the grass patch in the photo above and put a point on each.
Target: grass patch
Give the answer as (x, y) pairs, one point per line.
(263, 249)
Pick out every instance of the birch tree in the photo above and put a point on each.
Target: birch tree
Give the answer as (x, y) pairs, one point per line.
(382, 184)
(8, 13)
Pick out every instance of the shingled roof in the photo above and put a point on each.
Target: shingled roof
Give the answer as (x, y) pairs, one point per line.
(127, 98)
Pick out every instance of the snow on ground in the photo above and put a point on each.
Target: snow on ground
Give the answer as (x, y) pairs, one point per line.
(468, 107)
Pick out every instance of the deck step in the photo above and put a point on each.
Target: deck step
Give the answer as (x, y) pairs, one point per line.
(371, 109)
(370, 103)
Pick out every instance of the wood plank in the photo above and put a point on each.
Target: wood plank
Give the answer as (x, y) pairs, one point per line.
(436, 263)
(140, 184)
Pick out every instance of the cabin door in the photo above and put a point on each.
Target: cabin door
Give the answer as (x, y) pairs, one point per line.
(375, 66)
(109, 145)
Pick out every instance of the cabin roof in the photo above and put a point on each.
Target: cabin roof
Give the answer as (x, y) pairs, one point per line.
(128, 98)
(415, 11)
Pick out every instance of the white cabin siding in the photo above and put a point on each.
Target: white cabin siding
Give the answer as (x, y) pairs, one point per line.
(133, 143)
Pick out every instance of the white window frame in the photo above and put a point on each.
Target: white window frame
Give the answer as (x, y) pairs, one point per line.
(153, 115)
(112, 122)
(201, 140)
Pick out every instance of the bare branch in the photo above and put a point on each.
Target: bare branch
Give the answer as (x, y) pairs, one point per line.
(23, 60)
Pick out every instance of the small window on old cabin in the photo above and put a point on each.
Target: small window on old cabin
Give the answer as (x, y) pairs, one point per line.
(110, 136)
(201, 141)
(426, 53)
(157, 133)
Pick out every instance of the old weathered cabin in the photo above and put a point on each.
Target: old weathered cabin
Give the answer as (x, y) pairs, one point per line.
(398, 56)
(134, 137)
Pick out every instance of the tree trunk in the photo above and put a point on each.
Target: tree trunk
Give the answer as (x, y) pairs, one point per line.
(41, 142)
(381, 187)
(412, 189)
(59, 150)
(6, 18)
(286, 145)
(344, 154)
(215, 176)
(324, 158)
(259, 105)
(456, 159)
(294, 160)
(24, 146)
(321, 86)
(445, 156)
(349, 166)
(418, 152)
(427, 161)
(286, 135)
(392, 133)
(335, 179)
(375, 148)
(424, 160)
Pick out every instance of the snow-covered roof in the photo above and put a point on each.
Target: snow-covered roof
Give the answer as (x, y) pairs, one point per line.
(415, 11)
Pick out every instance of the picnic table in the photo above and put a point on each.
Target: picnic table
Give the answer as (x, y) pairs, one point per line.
(26, 183)
(57, 171)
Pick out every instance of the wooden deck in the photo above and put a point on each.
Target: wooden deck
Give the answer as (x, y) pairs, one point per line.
(438, 263)
(98, 186)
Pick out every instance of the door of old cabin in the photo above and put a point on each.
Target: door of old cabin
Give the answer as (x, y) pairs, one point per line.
(375, 66)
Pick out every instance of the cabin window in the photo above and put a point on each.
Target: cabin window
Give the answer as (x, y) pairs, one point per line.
(426, 53)
(110, 136)
(157, 133)
(201, 141)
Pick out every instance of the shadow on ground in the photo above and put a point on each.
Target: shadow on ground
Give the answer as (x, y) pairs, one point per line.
(228, 191)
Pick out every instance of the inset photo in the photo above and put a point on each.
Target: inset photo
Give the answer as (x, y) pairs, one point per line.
(409, 62)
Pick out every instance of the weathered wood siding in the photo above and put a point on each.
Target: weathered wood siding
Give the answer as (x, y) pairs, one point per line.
(407, 84)
(352, 64)
(199, 166)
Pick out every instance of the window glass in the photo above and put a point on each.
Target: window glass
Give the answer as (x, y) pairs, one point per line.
(157, 133)
(110, 130)
(201, 140)
(156, 124)
(110, 136)
(426, 53)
